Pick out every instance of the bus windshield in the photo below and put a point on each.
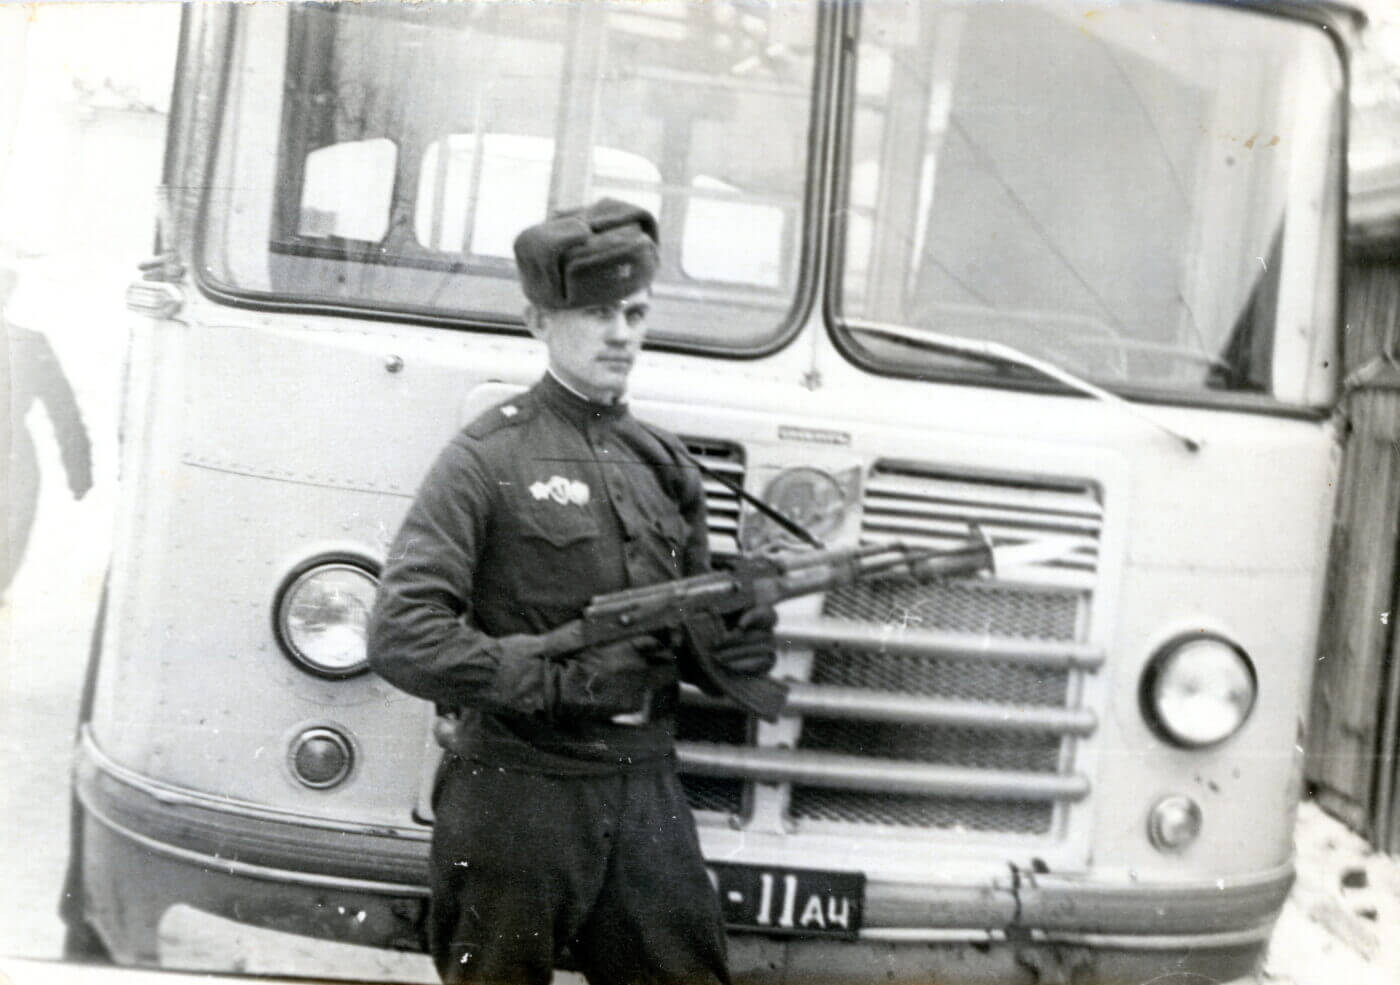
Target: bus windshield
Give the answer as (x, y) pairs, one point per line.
(383, 156)
(1144, 194)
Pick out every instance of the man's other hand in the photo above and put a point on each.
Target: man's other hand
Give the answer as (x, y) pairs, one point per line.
(610, 680)
(749, 648)
(742, 646)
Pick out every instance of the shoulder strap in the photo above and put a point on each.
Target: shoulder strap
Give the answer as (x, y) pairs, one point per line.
(508, 413)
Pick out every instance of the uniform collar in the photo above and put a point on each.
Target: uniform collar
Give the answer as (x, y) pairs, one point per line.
(574, 405)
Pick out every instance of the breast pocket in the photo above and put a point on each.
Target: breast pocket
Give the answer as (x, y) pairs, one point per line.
(559, 526)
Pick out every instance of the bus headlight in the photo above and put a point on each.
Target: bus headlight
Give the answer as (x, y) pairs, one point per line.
(1198, 690)
(322, 613)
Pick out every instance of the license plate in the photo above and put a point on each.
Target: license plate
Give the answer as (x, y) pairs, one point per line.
(807, 902)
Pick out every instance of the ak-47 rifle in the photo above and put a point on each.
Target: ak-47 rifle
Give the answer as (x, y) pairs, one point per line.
(766, 580)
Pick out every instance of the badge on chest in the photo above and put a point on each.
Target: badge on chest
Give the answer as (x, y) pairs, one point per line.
(561, 490)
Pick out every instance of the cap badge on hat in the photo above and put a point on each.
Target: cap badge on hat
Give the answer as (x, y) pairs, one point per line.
(624, 270)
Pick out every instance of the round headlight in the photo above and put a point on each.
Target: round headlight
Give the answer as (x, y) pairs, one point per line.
(322, 615)
(1198, 690)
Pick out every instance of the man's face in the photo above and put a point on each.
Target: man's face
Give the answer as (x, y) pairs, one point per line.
(593, 349)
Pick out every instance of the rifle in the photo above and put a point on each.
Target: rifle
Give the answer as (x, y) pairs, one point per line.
(704, 600)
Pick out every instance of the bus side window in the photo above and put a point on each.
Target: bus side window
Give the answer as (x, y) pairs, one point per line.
(347, 191)
(477, 208)
(715, 216)
(458, 196)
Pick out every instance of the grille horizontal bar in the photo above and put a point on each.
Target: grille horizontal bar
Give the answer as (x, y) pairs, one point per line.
(964, 513)
(816, 701)
(817, 632)
(879, 706)
(882, 776)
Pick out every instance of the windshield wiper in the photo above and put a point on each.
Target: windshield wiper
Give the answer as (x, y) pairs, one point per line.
(1005, 355)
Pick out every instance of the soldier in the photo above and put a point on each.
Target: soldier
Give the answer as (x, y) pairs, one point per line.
(560, 822)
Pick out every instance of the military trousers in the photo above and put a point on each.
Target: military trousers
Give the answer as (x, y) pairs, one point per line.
(525, 865)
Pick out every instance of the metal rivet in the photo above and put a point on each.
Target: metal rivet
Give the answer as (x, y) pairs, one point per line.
(393, 363)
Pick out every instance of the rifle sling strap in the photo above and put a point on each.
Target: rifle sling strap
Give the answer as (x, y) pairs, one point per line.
(796, 529)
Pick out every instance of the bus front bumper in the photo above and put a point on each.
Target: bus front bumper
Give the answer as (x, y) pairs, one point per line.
(148, 846)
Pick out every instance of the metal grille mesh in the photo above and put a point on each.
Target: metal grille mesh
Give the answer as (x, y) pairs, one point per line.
(943, 813)
(1016, 613)
(941, 744)
(931, 676)
(713, 793)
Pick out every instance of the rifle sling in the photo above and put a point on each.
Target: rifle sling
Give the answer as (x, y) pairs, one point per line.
(796, 529)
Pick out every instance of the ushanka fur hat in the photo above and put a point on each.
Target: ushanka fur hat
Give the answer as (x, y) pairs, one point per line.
(594, 255)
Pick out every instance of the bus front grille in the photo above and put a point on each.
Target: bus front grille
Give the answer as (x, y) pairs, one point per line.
(951, 706)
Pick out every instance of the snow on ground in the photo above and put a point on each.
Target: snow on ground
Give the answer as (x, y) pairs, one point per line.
(1342, 921)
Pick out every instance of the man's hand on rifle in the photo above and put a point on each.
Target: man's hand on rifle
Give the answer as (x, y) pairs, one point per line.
(750, 648)
(609, 680)
(743, 646)
(594, 684)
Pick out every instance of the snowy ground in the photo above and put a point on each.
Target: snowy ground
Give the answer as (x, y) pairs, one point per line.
(1342, 921)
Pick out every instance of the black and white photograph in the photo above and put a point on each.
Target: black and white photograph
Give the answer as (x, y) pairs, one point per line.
(700, 492)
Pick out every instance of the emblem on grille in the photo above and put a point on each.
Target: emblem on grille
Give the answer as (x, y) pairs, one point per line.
(816, 500)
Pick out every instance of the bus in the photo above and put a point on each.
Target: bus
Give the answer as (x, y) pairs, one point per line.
(1065, 272)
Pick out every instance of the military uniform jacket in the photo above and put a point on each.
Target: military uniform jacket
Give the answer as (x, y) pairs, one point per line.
(543, 502)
